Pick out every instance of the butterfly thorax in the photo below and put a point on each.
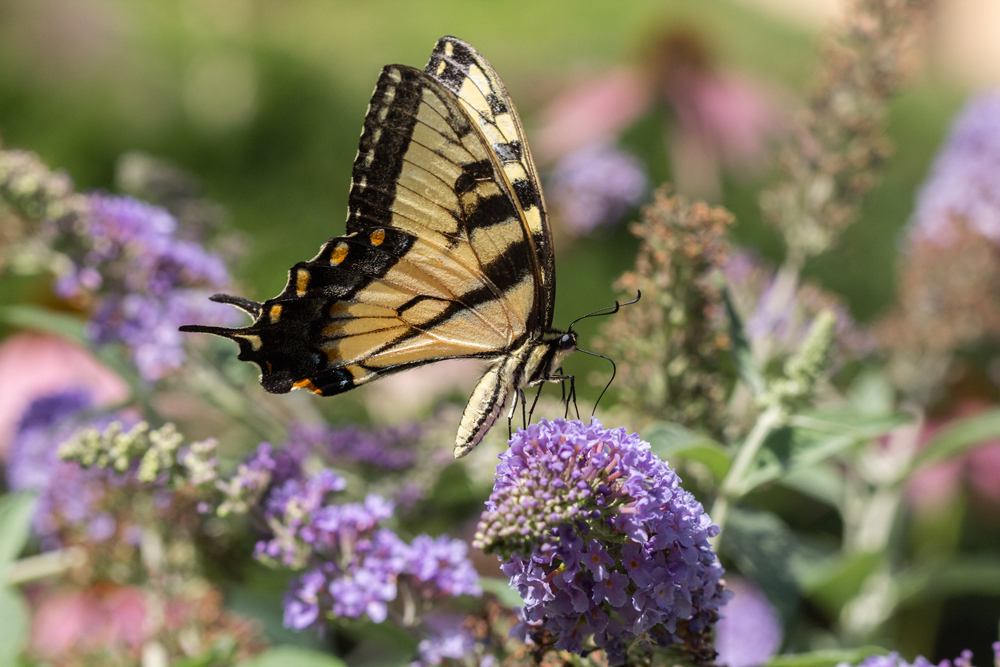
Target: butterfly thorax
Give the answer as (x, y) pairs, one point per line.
(534, 362)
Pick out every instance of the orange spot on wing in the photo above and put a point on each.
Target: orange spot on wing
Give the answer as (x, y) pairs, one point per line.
(301, 282)
(307, 384)
(338, 254)
(377, 237)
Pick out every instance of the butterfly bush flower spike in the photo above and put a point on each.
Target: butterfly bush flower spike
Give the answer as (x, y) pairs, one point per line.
(602, 543)
(351, 565)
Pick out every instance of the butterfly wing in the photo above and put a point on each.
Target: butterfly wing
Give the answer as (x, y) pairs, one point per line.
(437, 263)
(467, 74)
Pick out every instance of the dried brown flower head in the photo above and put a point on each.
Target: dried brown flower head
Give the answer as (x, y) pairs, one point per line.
(834, 155)
(670, 345)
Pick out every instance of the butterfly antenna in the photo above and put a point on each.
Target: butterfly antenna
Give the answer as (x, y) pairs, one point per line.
(614, 371)
(609, 310)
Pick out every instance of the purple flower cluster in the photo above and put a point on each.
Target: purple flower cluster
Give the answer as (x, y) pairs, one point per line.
(148, 281)
(353, 566)
(602, 542)
(963, 188)
(596, 186)
(454, 643)
(450, 640)
(391, 448)
(777, 320)
(265, 470)
(67, 494)
(894, 660)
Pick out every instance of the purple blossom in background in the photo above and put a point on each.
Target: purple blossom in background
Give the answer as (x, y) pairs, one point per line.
(894, 660)
(147, 281)
(451, 641)
(263, 471)
(963, 187)
(601, 541)
(391, 448)
(749, 633)
(780, 321)
(352, 565)
(67, 494)
(596, 186)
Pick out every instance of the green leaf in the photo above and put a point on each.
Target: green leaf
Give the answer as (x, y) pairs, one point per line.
(506, 595)
(958, 438)
(850, 421)
(44, 319)
(283, 656)
(870, 393)
(952, 578)
(826, 657)
(746, 365)
(762, 547)
(16, 510)
(669, 441)
(820, 482)
(13, 625)
(832, 582)
(813, 437)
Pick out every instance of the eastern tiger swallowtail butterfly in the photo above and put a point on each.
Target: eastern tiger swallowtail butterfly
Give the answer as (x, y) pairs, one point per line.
(448, 252)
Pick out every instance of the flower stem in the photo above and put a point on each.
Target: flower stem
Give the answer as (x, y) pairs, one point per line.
(732, 485)
(44, 565)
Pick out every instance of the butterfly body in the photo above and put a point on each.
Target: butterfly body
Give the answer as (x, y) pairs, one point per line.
(448, 252)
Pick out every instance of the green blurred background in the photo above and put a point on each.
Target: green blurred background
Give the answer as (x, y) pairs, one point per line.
(82, 81)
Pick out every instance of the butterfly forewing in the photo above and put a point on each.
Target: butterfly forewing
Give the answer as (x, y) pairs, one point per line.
(461, 69)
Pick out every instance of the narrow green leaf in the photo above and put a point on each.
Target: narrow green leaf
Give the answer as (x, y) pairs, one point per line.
(870, 393)
(746, 365)
(820, 482)
(830, 583)
(850, 421)
(13, 625)
(952, 578)
(814, 437)
(826, 657)
(958, 438)
(16, 510)
(670, 441)
(44, 319)
(283, 656)
(506, 595)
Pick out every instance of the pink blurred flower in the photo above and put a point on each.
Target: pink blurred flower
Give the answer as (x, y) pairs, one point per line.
(718, 119)
(593, 111)
(84, 620)
(980, 467)
(34, 365)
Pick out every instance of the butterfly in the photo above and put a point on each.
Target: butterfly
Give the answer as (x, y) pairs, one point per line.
(448, 252)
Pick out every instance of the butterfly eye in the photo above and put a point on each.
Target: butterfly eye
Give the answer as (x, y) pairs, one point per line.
(567, 341)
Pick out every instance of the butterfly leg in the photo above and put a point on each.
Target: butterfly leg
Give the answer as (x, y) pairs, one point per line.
(538, 394)
(524, 407)
(561, 379)
(510, 414)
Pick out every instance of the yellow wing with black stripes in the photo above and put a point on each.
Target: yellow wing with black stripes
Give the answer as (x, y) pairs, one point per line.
(481, 93)
(447, 252)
